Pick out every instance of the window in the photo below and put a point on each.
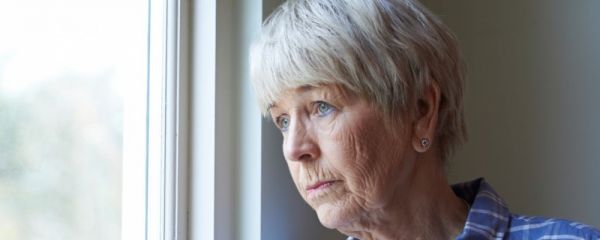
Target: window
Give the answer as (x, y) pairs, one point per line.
(112, 126)
(77, 110)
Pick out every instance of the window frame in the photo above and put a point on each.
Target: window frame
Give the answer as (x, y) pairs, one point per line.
(212, 133)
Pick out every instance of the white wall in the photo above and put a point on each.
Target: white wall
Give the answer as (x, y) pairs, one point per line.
(532, 102)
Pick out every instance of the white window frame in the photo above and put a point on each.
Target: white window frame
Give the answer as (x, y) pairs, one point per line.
(160, 211)
(225, 193)
(169, 221)
(226, 146)
(204, 164)
(176, 159)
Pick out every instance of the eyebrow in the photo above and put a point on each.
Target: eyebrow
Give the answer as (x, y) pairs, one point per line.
(305, 88)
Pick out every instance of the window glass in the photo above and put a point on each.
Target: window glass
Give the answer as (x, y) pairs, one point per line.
(70, 73)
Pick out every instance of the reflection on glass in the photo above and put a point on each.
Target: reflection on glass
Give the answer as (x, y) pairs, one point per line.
(67, 68)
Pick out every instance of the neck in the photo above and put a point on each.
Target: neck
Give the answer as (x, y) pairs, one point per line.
(424, 208)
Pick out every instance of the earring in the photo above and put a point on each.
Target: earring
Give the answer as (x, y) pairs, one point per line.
(425, 142)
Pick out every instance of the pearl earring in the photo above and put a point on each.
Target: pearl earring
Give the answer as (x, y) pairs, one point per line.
(425, 142)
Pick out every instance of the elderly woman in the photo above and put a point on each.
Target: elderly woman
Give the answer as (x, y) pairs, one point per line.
(368, 97)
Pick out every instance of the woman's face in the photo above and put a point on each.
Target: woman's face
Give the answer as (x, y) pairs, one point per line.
(342, 158)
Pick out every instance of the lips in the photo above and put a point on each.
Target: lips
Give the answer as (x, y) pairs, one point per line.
(320, 185)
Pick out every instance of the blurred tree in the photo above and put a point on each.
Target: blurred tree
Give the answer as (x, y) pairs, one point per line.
(60, 160)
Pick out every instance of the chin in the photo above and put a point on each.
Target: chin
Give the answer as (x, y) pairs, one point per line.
(334, 216)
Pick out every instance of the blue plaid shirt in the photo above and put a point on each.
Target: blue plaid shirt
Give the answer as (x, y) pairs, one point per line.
(489, 218)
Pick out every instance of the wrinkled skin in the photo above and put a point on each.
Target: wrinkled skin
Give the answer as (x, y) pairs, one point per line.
(348, 145)
(369, 162)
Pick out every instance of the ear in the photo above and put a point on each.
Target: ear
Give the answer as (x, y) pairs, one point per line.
(426, 117)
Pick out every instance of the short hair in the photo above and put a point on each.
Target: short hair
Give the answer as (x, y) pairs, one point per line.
(388, 51)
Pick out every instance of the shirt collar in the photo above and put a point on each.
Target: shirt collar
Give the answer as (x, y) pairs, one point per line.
(488, 215)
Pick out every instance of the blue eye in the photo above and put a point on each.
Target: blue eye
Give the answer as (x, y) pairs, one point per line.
(324, 108)
(283, 123)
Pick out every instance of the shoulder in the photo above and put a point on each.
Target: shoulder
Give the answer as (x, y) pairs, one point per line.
(524, 227)
(490, 218)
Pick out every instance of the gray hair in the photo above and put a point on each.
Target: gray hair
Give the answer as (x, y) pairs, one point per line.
(388, 51)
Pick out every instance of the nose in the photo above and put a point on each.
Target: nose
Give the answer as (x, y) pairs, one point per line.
(300, 144)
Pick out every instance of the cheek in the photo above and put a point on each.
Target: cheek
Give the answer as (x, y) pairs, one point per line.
(368, 156)
(355, 153)
(295, 172)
